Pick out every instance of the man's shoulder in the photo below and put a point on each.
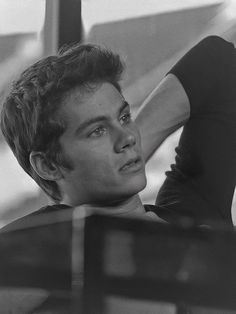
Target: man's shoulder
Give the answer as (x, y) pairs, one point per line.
(45, 213)
(34, 237)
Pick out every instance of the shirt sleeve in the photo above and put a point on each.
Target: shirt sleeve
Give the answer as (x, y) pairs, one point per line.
(201, 183)
(205, 73)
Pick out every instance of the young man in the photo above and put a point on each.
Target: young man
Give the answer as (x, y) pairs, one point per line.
(70, 128)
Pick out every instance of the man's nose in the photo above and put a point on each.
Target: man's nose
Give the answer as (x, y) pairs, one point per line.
(124, 140)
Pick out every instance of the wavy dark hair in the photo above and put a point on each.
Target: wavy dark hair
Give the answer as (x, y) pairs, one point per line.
(29, 117)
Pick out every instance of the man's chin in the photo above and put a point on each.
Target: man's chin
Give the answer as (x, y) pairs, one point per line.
(136, 185)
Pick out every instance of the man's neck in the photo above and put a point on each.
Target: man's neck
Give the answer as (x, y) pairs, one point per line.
(130, 207)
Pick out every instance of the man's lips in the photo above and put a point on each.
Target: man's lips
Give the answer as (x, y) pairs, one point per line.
(132, 164)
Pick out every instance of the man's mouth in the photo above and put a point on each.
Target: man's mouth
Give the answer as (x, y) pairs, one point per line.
(133, 164)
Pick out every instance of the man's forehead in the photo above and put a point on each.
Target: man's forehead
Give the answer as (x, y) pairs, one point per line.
(104, 99)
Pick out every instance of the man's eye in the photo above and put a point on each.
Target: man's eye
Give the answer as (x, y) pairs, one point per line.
(126, 118)
(99, 131)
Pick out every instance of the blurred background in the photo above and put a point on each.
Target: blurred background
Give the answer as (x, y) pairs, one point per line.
(149, 34)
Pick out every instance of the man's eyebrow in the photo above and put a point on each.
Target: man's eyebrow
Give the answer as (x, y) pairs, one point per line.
(90, 121)
(101, 118)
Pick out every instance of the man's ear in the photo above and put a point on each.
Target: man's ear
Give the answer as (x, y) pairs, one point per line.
(43, 167)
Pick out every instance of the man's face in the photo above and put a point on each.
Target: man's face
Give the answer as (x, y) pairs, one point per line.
(103, 145)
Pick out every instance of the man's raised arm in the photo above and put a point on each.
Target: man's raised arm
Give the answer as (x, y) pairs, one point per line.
(201, 182)
(164, 111)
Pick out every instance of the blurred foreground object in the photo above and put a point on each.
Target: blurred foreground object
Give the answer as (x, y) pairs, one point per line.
(36, 265)
(129, 266)
(135, 266)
